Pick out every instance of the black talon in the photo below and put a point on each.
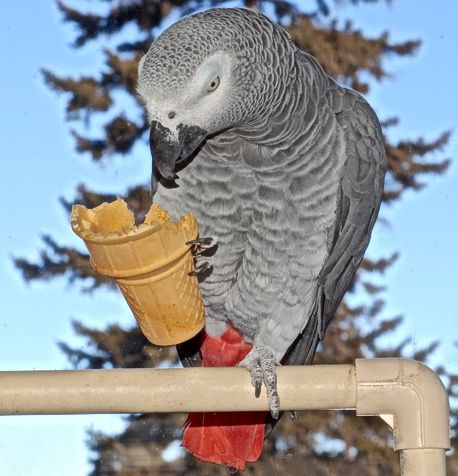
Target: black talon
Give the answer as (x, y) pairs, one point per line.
(257, 389)
(204, 242)
(200, 269)
(293, 415)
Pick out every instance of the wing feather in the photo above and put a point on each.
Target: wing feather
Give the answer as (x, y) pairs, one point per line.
(360, 195)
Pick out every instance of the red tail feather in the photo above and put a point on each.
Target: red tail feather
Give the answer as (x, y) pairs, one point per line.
(226, 438)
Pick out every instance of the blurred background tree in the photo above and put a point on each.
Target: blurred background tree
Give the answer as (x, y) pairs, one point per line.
(105, 103)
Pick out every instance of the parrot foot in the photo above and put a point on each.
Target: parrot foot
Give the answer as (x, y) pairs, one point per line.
(260, 362)
(200, 246)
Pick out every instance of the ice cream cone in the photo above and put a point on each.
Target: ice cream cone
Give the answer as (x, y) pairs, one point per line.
(150, 264)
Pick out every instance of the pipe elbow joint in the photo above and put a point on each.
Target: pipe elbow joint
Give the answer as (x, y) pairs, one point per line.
(409, 396)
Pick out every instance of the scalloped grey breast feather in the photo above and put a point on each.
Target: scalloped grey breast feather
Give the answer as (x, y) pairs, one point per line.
(292, 194)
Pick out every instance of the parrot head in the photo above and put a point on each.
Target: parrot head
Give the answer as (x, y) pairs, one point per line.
(183, 113)
(207, 73)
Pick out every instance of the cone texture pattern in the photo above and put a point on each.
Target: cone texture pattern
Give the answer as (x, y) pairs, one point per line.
(151, 265)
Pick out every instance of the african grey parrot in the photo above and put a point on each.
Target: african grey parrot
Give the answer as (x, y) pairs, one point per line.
(286, 168)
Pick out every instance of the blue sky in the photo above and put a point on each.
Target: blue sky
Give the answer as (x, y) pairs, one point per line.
(39, 165)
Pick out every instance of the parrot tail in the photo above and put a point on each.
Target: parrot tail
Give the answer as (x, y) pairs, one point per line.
(228, 438)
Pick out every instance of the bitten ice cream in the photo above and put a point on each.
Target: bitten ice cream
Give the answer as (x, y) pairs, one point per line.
(150, 263)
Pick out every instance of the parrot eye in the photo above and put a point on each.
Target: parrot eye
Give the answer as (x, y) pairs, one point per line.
(214, 83)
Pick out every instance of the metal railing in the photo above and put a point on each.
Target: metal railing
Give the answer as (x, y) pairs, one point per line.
(404, 393)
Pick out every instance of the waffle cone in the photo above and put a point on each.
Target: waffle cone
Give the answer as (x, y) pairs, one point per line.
(150, 264)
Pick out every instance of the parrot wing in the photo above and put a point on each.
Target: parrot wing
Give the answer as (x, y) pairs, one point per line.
(360, 195)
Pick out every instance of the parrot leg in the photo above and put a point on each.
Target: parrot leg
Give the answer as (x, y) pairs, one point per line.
(261, 362)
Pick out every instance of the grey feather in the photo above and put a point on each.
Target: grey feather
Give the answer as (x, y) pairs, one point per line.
(290, 178)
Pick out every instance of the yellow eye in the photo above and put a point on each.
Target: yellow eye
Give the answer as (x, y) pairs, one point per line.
(214, 83)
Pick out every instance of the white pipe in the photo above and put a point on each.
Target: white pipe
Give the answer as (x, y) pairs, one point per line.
(171, 390)
(409, 391)
(423, 462)
(411, 398)
(403, 392)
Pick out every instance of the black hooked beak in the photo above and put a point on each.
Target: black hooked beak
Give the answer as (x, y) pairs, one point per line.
(167, 151)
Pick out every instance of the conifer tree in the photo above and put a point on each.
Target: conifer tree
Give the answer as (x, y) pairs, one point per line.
(325, 443)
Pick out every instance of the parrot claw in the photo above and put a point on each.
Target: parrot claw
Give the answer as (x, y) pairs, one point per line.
(204, 266)
(257, 388)
(200, 246)
(260, 362)
(205, 242)
(293, 415)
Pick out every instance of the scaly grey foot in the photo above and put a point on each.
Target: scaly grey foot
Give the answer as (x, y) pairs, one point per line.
(261, 362)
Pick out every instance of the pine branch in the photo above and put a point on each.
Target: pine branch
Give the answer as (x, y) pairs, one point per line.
(346, 53)
(406, 161)
(122, 72)
(120, 135)
(57, 261)
(372, 289)
(423, 354)
(115, 347)
(95, 147)
(144, 13)
(379, 265)
(385, 326)
(138, 199)
(86, 94)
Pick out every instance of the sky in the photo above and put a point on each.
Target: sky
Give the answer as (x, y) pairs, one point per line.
(40, 165)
